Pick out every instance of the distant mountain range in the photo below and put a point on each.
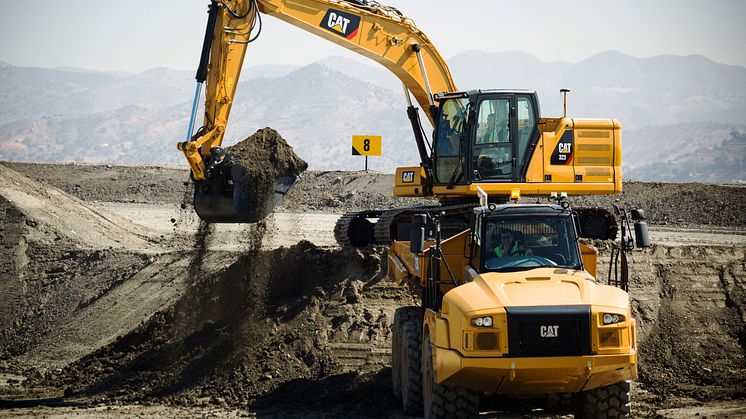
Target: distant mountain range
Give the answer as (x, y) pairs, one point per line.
(684, 118)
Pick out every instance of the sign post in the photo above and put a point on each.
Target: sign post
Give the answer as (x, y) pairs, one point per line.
(366, 145)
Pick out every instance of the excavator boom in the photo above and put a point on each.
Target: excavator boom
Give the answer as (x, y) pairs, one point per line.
(380, 33)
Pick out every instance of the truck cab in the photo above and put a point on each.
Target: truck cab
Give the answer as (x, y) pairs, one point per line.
(512, 306)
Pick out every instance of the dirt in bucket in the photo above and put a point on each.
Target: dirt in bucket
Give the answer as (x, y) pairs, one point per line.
(264, 158)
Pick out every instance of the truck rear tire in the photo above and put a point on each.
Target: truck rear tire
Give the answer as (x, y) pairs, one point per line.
(402, 315)
(609, 402)
(442, 400)
(411, 374)
(560, 402)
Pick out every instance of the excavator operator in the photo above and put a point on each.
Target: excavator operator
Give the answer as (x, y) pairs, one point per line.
(496, 131)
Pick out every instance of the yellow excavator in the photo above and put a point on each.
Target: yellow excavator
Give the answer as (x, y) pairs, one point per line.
(528, 319)
(492, 139)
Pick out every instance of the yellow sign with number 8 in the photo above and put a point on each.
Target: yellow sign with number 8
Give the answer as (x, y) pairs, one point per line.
(366, 145)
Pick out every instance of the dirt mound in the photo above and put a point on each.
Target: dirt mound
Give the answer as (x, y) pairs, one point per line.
(266, 151)
(265, 157)
(238, 334)
(680, 203)
(691, 306)
(108, 182)
(73, 276)
(57, 216)
(345, 191)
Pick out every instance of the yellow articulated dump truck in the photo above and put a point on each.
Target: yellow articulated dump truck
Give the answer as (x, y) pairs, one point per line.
(510, 306)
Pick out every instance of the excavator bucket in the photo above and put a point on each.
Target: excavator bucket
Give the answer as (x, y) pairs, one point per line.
(238, 196)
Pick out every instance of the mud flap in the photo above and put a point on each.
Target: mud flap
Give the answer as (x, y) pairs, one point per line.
(225, 199)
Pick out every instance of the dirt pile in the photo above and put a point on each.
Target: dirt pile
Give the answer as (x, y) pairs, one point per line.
(73, 277)
(691, 305)
(264, 158)
(57, 216)
(266, 320)
(695, 204)
(110, 183)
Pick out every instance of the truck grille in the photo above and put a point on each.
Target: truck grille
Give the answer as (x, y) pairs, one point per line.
(549, 331)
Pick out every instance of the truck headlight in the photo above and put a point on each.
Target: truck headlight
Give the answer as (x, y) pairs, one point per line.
(612, 318)
(484, 321)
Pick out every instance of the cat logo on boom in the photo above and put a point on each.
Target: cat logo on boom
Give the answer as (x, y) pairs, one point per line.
(342, 23)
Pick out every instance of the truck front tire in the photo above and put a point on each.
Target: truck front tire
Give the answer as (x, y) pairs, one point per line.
(608, 402)
(401, 316)
(411, 375)
(442, 400)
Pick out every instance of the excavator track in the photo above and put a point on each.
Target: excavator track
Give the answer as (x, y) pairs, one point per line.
(597, 223)
(356, 230)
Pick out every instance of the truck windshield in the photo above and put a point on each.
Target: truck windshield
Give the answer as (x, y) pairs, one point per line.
(522, 243)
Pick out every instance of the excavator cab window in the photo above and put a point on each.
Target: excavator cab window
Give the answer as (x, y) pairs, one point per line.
(526, 127)
(492, 150)
(448, 151)
(503, 135)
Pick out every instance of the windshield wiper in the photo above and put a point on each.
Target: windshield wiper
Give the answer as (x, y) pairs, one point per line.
(575, 267)
(516, 268)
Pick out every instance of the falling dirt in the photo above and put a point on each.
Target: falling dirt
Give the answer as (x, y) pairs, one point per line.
(264, 157)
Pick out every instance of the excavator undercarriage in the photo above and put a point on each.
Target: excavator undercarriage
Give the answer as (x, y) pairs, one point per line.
(381, 227)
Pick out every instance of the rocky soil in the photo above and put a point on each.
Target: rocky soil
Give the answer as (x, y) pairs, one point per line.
(104, 315)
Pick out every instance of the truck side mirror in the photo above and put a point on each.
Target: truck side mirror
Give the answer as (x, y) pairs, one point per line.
(642, 236)
(418, 231)
(417, 241)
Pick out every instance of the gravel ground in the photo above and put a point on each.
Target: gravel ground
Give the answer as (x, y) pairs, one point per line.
(162, 319)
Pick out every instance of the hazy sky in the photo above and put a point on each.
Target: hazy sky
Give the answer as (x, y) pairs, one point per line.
(134, 35)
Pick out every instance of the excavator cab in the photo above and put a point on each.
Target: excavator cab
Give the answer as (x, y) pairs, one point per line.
(484, 137)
